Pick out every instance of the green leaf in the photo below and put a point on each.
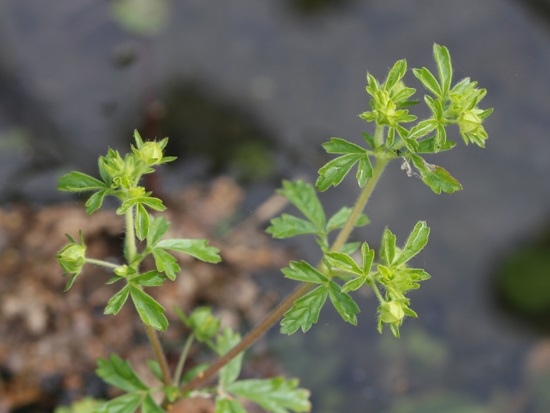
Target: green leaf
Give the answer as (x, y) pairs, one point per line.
(364, 171)
(354, 284)
(302, 271)
(150, 279)
(332, 173)
(342, 147)
(117, 301)
(166, 263)
(274, 395)
(422, 128)
(127, 403)
(432, 145)
(387, 249)
(305, 311)
(369, 139)
(231, 371)
(149, 310)
(343, 303)
(287, 226)
(151, 202)
(350, 247)
(141, 222)
(444, 67)
(437, 178)
(417, 240)
(79, 182)
(119, 373)
(339, 219)
(95, 201)
(303, 196)
(157, 228)
(224, 405)
(428, 80)
(343, 262)
(367, 254)
(395, 74)
(150, 406)
(197, 248)
(155, 368)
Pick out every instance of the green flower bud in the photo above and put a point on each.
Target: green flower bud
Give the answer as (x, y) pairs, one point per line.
(150, 153)
(203, 323)
(392, 312)
(72, 257)
(469, 121)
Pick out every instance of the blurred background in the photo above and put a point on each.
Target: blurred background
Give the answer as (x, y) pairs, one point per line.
(251, 89)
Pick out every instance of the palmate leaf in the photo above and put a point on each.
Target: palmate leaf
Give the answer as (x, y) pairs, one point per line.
(79, 182)
(417, 240)
(127, 403)
(302, 271)
(338, 220)
(343, 303)
(305, 311)
(166, 262)
(437, 178)
(231, 371)
(157, 228)
(333, 172)
(287, 226)
(343, 262)
(276, 395)
(303, 196)
(119, 373)
(225, 405)
(149, 310)
(197, 248)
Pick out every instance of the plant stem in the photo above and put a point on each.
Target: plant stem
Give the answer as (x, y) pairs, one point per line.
(131, 252)
(360, 204)
(278, 312)
(130, 241)
(181, 361)
(101, 263)
(250, 338)
(159, 354)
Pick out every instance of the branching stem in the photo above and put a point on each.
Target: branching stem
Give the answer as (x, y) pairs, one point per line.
(275, 315)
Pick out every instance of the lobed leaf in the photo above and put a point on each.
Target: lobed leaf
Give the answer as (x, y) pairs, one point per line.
(151, 278)
(119, 373)
(149, 310)
(428, 81)
(79, 182)
(395, 74)
(343, 262)
(287, 226)
(354, 284)
(95, 201)
(367, 254)
(342, 147)
(339, 219)
(197, 248)
(444, 68)
(157, 228)
(127, 403)
(141, 222)
(417, 240)
(437, 178)
(117, 301)
(305, 311)
(166, 263)
(343, 303)
(302, 271)
(231, 371)
(224, 405)
(332, 173)
(303, 196)
(388, 248)
(276, 394)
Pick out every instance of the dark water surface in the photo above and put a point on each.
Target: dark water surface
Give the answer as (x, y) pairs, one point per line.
(73, 81)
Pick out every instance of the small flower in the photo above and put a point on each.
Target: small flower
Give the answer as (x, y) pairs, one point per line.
(150, 153)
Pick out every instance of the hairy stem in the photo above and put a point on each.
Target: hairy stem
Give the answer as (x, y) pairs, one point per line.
(181, 361)
(130, 249)
(159, 353)
(360, 204)
(275, 315)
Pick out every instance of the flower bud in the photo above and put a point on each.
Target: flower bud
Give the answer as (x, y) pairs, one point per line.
(469, 121)
(391, 312)
(72, 257)
(150, 153)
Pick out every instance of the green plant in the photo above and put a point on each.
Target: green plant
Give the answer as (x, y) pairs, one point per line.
(398, 135)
